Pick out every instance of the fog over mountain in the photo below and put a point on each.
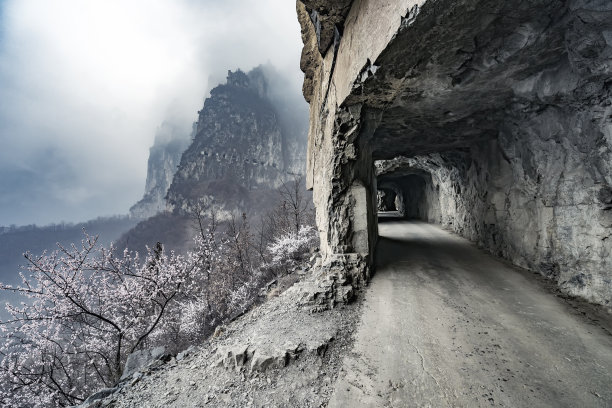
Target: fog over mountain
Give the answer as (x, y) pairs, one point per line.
(85, 85)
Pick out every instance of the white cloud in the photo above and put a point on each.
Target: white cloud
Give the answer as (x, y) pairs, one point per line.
(85, 83)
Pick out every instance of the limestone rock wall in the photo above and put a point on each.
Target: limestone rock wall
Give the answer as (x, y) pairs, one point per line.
(339, 169)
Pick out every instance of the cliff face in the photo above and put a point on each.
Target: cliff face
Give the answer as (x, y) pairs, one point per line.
(501, 110)
(240, 148)
(249, 138)
(164, 158)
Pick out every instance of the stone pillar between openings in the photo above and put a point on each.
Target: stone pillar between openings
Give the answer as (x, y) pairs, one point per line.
(347, 211)
(339, 159)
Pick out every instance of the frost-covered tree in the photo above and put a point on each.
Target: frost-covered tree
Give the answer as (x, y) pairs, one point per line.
(294, 210)
(288, 233)
(297, 208)
(85, 311)
(87, 308)
(290, 249)
(239, 251)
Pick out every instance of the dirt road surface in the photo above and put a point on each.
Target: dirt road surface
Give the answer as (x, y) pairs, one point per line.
(446, 325)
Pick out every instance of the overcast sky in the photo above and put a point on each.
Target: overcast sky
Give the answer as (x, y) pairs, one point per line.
(85, 83)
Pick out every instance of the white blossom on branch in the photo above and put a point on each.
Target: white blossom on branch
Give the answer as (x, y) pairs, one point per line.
(85, 311)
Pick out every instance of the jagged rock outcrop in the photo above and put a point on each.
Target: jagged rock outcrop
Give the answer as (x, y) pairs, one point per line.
(504, 106)
(250, 137)
(164, 158)
(327, 21)
(240, 150)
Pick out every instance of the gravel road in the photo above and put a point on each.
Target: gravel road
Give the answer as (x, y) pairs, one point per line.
(446, 325)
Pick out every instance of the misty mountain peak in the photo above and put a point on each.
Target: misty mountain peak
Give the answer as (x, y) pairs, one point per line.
(250, 137)
(237, 78)
(240, 143)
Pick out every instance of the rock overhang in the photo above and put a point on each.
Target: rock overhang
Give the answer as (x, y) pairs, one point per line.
(327, 20)
(396, 175)
(455, 70)
(506, 104)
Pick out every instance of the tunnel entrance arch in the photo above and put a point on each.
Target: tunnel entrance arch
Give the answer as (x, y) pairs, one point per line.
(390, 197)
(413, 191)
(386, 200)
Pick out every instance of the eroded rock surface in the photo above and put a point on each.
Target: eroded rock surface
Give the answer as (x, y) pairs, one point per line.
(328, 20)
(250, 137)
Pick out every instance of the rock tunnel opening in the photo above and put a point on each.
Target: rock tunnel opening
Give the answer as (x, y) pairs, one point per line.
(507, 196)
(498, 128)
(411, 194)
(422, 189)
(386, 200)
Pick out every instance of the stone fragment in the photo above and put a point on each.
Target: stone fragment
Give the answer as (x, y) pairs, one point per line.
(141, 359)
(185, 353)
(95, 400)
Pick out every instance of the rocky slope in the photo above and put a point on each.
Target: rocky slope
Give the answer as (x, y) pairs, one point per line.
(313, 346)
(284, 353)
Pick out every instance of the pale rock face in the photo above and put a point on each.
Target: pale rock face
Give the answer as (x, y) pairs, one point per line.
(164, 158)
(493, 118)
(326, 20)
